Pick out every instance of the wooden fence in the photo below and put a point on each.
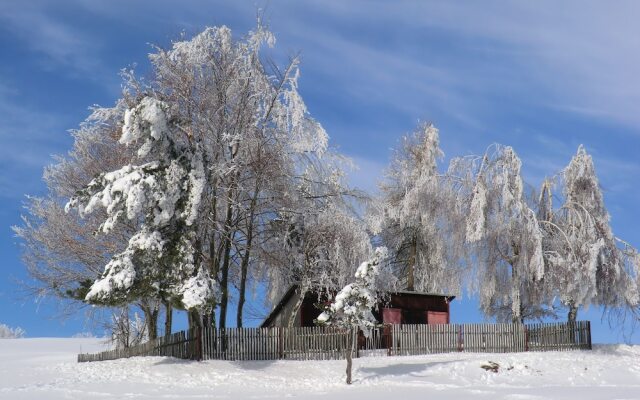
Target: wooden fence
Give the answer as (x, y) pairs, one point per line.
(298, 343)
(319, 343)
(489, 338)
(183, 344)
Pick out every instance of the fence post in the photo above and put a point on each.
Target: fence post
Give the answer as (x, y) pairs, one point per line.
(460, 339)
(281, 341)
(387, 338)
(526, 338)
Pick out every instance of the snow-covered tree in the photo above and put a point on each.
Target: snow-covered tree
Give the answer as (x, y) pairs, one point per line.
(352, 307)
(61, 251)
(126, 330)
(162, 194)
(170, 226)
(7, 332)
(504, 231)
(320, 252)
(417, 217)
(255, 133)
(587, 264)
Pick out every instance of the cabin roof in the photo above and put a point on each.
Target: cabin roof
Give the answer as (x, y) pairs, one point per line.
(292, 289)
(278, 307)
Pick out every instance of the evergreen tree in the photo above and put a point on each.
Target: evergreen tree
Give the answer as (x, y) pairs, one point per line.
(352, 307)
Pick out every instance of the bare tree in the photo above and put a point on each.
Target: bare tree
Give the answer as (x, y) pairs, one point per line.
(126, 329)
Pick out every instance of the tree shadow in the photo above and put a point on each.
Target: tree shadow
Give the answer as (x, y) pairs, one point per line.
(241, 364)
(399, 369)
(254, 365)
(173, 361)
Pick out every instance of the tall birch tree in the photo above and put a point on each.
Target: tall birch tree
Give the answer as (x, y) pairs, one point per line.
(587, 263)
(505, 234)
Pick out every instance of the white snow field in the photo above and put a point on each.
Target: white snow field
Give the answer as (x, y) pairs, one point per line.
(47, 369)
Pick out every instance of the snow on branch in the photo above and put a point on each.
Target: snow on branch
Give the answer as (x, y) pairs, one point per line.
(353, 305)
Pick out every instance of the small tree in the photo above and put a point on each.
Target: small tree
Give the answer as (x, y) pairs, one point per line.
(7, 332)
(127, 330)
(352, 306)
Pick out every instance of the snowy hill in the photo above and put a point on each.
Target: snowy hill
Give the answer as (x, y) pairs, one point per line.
(46, 369)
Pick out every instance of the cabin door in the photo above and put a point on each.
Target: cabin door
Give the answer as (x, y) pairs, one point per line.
(390, 316)
(437, 317)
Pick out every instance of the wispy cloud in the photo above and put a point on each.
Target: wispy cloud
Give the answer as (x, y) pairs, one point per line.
(579, 57)
(60, 44)
(366, 174)
(29, 138)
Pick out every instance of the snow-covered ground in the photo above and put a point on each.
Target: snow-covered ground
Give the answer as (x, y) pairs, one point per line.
(46, 369)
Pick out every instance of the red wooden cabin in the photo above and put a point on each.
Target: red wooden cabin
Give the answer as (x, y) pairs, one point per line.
(402, 307)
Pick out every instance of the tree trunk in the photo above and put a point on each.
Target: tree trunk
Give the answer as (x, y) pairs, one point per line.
(224, 285)
(214, 261)
(350, 351)
(411, 266)
(573, 313)
(245, 260)
(516, 300)
(208, 320)
(168, 319)
(152, 325)
(349, 364)
(194, 319)
(224, 280)
(516, 315)
(296, 307)
(244, 268)
(211, 319)
(522, 313)
(243, 287)
(151, 320)
(213, 270)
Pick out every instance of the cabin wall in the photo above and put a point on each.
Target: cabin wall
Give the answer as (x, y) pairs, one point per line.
(414, 309)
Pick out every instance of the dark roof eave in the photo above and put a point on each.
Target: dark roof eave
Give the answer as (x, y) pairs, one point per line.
(449, 297)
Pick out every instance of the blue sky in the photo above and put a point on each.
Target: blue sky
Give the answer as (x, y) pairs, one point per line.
(540, 76)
